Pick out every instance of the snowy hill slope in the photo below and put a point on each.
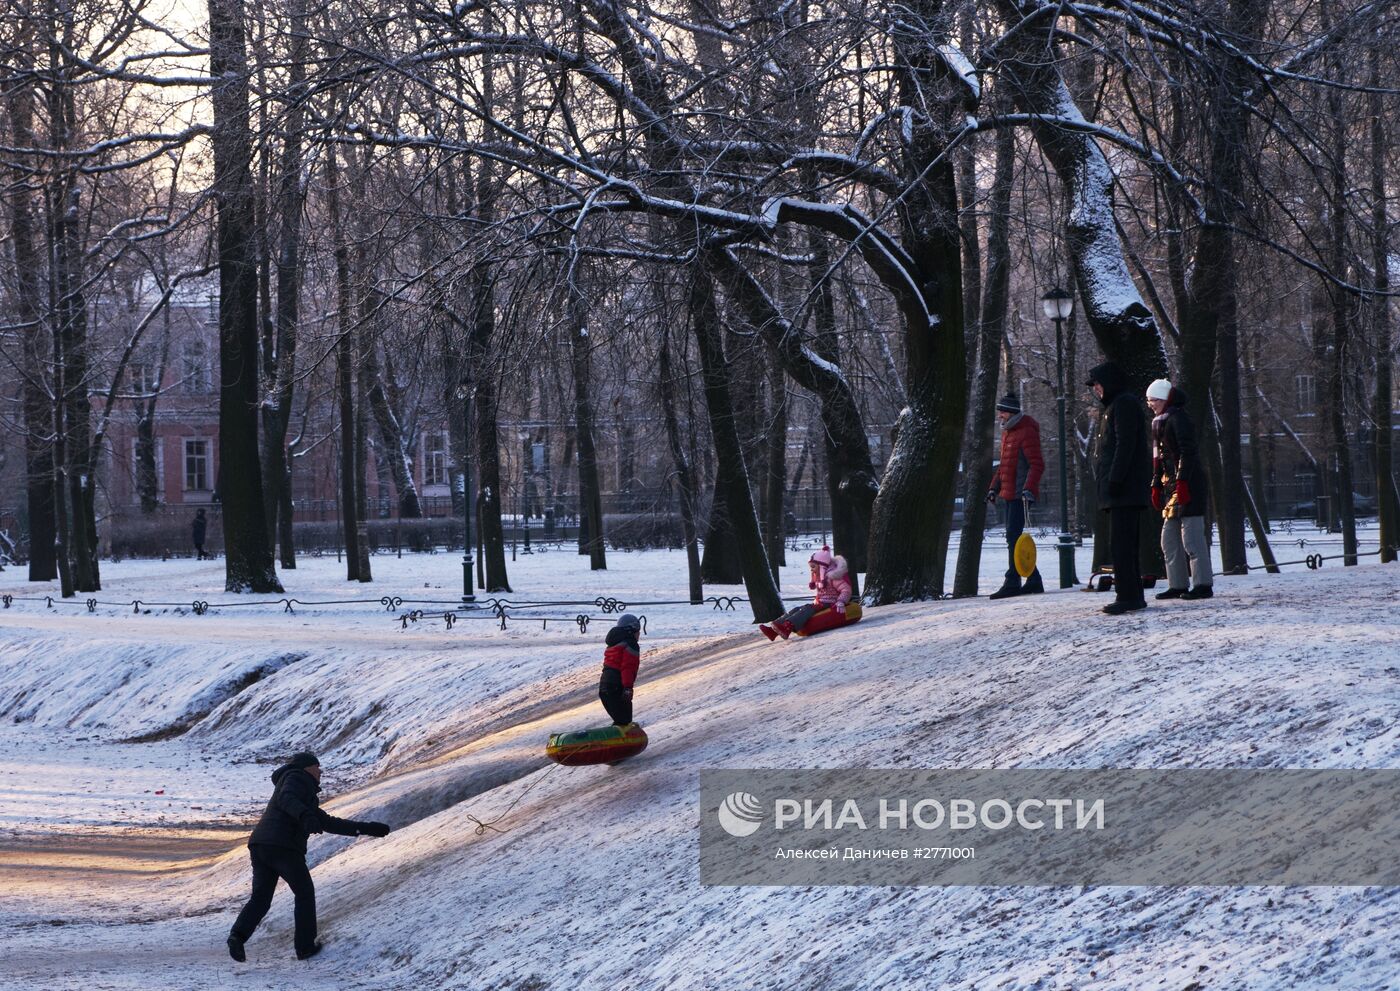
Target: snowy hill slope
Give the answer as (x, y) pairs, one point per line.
(595, 883)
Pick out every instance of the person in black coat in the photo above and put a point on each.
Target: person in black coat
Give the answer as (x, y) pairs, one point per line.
(197, 532)
(278, 849)
(1123, 470)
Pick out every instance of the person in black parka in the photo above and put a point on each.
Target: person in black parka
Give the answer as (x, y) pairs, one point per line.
(197, 533)
(278, 849)
(1123, 471)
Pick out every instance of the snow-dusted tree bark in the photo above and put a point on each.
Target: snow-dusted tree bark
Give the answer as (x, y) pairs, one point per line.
(344, 369)
(391, 434)
(249, 565)
(29, 308)
(1382, 336)
(279, 366)
(685, 481)
(590, 510)
(912, 515)
(981, 434)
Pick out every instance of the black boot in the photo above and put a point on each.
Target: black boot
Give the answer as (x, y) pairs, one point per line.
(1009, 587)
(1118, 608)
(309, 953)
(1033, 584)
(1171, 593)
(1199, 592)
(235, 949)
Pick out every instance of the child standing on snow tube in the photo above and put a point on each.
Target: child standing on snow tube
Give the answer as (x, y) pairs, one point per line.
(831, 579)
(620, 661)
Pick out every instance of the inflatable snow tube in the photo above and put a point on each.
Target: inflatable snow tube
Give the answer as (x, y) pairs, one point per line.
(603, 745)
(831, 619)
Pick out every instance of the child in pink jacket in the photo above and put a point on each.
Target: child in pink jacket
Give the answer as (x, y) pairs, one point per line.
(831, 580)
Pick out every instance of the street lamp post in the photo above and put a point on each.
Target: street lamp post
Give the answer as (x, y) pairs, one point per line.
(465, 391)
(1058, 305)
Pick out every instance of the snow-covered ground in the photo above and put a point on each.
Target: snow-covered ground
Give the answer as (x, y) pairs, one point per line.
(121, 863)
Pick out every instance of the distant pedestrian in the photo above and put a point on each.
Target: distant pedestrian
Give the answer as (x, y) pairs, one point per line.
(621, 659)
(278, 849)
(198, 530)
(1179, 492)
(1017, 484)
(1123, 470)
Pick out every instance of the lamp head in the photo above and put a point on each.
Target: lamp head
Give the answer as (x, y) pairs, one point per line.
(1057, 304)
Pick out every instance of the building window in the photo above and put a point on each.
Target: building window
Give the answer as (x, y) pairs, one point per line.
(196, 466)
(435, 458)
(1307, 392)
(158, 449)
(198, 375)
(141, 377)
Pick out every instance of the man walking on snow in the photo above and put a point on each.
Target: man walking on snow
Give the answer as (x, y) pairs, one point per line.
(1017, 484)
(278, 849)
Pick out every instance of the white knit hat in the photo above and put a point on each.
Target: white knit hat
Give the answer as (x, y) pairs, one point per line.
(1160, 389)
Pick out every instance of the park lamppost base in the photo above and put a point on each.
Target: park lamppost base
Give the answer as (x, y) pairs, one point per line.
(1068, 579)
(468, 597)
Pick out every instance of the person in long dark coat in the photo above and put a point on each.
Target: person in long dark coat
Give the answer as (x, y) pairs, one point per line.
(278, 850)
(1123, 471)
(198, 529)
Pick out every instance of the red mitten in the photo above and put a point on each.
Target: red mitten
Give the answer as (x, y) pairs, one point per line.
(1183, 494)
(1157, 501)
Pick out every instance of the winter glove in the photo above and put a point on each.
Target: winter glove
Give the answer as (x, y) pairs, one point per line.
(1157, 501)
(374, 829)
(1027, 495)
(1183, 494)
(991, 497)
(628, 693)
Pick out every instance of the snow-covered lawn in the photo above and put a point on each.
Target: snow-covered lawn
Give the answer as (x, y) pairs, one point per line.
(121, 863)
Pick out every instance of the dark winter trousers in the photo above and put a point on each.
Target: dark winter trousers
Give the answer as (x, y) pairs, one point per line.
(1015, 526)
(270, 863)
(797, 618)
(614, 696)
(1124, 530)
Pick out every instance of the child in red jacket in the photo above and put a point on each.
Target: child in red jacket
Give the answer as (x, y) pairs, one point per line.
(620, 661)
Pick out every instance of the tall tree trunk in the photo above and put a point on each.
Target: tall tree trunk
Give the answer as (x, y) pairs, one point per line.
(69, 307)
(399, 464)
(1342, 312)
(590, 513)
(1388, 509)
(912, 516)
(775, 464)
(280, 365)
(981, 435)
(685, 480)
(248, 554)
(344, 371)
(731, 476)
(38, 410)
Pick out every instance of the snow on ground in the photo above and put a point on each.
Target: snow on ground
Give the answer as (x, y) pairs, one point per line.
(122, 867)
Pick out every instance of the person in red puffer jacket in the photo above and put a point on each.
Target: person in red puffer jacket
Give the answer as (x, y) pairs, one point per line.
(620, 662)
(831, 581)
(1017, 484)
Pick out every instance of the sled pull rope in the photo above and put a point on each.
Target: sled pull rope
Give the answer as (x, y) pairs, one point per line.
(482, 826)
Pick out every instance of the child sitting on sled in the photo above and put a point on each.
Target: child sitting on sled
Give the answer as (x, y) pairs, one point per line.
(831, 579)
(620, 661)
